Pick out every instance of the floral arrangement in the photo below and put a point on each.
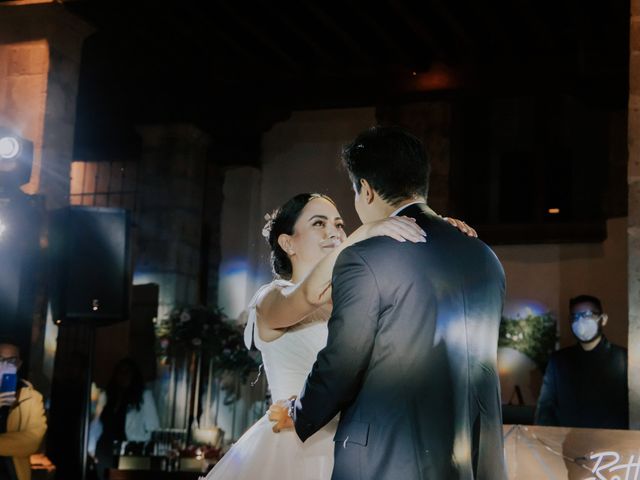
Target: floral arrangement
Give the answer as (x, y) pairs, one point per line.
(533, 335)
(209, 332)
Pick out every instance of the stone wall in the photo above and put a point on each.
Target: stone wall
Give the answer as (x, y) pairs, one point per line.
(178, 196)
(40, 50)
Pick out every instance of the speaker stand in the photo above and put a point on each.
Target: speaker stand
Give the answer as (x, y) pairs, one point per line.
(71, 399)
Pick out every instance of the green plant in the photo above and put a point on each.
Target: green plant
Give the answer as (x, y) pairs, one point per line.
(533, 335)
(209, 332)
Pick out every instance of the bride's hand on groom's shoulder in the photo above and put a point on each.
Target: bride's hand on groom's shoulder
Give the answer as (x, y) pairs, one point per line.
(462, 226)
(401, 229)
(279, 413)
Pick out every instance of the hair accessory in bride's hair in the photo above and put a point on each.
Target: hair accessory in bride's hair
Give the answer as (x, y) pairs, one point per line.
(270, 218)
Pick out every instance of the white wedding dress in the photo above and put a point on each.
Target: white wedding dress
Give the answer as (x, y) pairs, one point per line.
(260, 453)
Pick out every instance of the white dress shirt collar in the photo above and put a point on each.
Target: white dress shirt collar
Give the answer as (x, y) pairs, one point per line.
(405, 206)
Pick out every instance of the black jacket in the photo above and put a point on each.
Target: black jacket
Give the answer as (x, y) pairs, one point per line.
(411, 359)
(585, 389)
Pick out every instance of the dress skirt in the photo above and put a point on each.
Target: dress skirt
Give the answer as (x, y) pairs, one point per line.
(262, 454)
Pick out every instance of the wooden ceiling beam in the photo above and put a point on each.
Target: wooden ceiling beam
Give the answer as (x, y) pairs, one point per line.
(306, 38)
(259, 35)
(454, 26)
(381, 33)
(345, 38)
(235, 46)
(193, 34)
(538, 28)
(418, 29)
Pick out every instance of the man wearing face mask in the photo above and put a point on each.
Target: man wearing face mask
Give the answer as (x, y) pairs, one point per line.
(586, 385)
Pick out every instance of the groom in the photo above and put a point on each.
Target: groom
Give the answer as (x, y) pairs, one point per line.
(410, 361)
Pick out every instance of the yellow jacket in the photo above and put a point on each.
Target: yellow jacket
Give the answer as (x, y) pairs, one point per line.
(26, 427)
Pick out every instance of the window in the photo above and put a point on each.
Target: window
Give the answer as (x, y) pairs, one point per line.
(104, 184)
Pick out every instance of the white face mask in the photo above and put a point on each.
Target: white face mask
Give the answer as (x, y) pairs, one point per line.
(586, 329)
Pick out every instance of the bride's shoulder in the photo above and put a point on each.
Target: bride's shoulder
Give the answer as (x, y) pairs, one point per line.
(276, 285)
(264, 333)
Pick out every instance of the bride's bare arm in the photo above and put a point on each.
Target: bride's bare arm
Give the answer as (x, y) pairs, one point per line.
(280, 309)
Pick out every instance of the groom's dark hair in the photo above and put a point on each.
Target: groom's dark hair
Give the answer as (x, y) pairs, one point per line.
(392, 160)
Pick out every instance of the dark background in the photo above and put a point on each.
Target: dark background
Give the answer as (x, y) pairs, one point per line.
(538, 89)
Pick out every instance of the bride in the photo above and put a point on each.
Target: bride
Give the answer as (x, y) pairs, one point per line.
(287, 323)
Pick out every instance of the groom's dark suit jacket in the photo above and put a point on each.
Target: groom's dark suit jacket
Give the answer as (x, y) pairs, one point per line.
(411, 359)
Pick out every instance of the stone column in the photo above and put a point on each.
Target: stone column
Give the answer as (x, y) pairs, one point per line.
(40, 52)
(633, 231)
(240, 240)
(170, 218)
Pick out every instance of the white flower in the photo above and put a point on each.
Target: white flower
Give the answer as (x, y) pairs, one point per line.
(270, 218)
(185, 317)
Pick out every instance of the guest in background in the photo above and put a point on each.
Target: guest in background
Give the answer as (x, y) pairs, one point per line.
(22, 419)
(126, 411)
(586, 385)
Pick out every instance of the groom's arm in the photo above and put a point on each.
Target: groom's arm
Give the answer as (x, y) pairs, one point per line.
(337, 374)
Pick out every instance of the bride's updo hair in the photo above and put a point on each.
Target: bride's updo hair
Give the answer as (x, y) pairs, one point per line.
(282, 221)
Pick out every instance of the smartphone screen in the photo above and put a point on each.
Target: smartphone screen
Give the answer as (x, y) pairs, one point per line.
(9, 382)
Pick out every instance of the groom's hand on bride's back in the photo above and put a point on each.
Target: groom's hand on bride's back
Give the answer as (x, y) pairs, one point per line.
(279, 413)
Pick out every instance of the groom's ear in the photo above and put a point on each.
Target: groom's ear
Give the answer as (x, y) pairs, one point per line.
(367, 191)
(285, 243)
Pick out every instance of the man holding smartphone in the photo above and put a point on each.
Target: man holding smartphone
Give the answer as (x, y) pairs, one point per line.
(22, 419)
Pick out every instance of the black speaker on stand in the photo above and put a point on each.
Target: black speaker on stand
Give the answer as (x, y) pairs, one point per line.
(90, 286)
